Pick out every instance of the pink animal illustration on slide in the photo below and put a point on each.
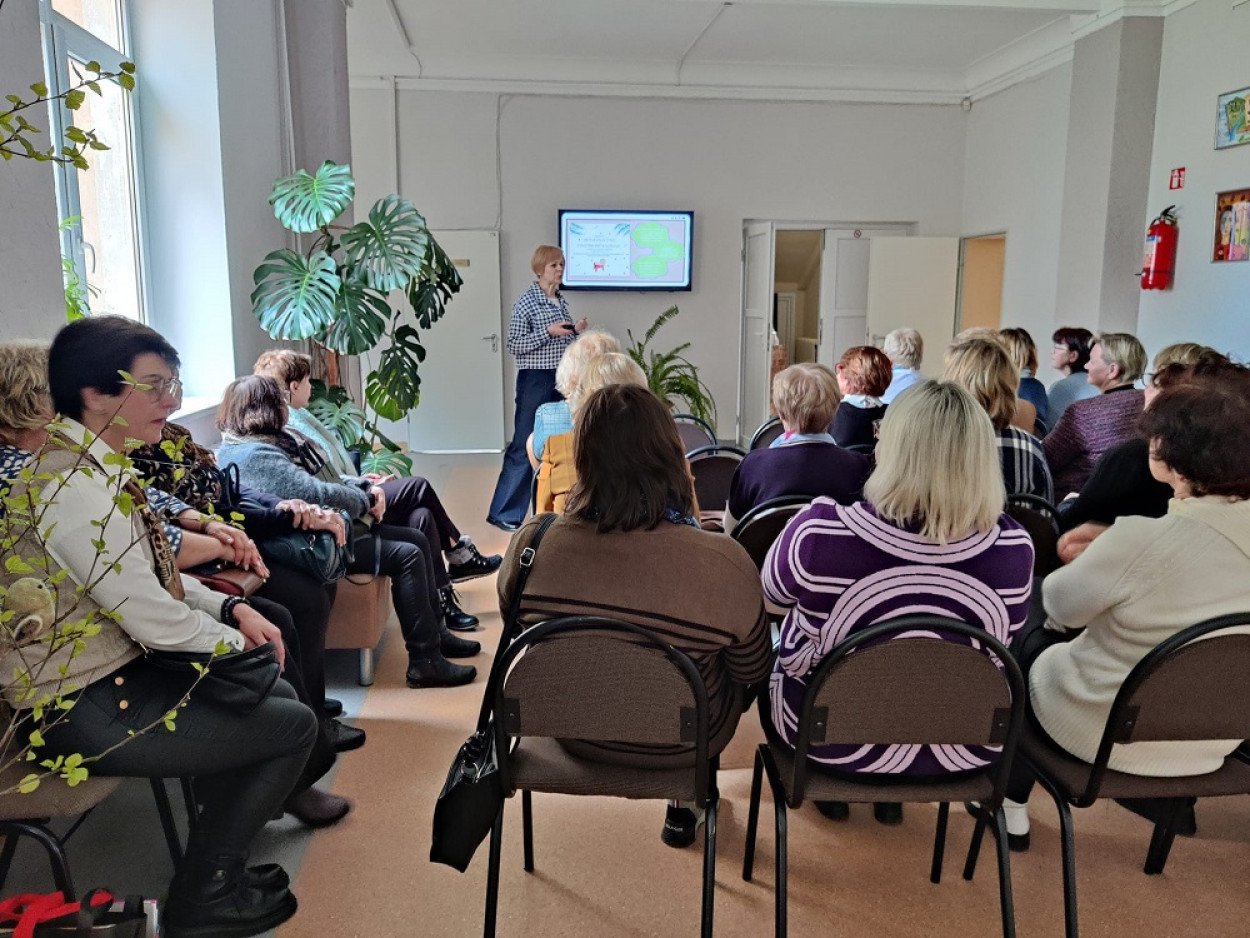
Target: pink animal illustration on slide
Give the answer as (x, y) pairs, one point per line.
(599, 265)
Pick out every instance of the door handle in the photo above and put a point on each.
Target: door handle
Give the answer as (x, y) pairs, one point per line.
(493, 339)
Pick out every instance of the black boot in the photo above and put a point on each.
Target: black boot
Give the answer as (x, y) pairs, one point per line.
(453, 646)
(212, 896)
(438, 672)
(457, 619)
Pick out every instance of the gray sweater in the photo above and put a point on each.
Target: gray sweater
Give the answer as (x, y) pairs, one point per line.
(266, 467)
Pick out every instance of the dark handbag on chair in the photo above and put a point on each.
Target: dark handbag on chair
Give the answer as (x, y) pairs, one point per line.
(472, 794)
(239, 680)
(313, 552)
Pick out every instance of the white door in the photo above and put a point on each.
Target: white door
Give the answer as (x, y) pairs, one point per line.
(461, 409)
(844, 289)
(757, 316)
(912, 282)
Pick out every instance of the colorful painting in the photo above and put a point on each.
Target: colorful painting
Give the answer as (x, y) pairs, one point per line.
(1232, 122)
(1232, 226)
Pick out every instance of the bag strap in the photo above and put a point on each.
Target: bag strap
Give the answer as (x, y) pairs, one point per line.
(511, 620)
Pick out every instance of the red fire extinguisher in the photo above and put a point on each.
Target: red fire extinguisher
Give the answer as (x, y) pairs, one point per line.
(1160, 259)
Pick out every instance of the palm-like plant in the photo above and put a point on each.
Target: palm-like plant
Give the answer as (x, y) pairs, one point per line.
(337, 293)
(670, 375)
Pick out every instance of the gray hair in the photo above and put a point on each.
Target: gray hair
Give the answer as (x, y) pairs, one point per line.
(905, 347)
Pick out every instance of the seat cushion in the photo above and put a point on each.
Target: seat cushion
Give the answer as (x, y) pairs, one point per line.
(542, 764)
(53, 798)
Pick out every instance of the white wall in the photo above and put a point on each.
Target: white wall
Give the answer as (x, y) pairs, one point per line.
(1204, 54)
(726, 160)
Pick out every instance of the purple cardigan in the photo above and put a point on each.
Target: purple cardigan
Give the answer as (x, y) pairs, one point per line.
(1088, 429)
(809, 468)
(843, 568)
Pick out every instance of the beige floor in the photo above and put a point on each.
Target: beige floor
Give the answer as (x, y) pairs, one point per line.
(602, 871)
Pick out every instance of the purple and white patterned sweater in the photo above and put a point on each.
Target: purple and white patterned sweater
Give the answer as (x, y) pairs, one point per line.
(843, 569)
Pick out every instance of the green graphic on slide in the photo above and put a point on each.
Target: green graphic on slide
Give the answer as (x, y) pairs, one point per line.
(663, 250)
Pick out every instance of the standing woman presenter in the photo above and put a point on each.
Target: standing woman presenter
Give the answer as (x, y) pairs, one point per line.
(540, 330)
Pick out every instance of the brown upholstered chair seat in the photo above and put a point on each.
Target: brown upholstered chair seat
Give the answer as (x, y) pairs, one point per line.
(541, 764)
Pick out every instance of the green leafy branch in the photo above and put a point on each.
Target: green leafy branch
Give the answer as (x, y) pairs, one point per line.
(670, 375)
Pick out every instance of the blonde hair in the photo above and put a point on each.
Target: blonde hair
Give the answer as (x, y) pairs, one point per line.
(284, 366)
(25, 401)
(905, 347)
(604, 370)
(590, 343)
(1180, 353)
(1122, 349)
(806, 396)
(983, 368)
(937, 463)
(544, 254)
(1021, 347)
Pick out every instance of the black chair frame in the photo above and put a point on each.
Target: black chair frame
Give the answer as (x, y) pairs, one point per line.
(700, 423)
(716, 449)
(705, 769)
(761, 430)
(1038, 504)
(810, 719)
(766, 508)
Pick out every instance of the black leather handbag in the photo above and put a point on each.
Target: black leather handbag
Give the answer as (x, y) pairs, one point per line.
(239, 680)
(473, 793)
(316, 553)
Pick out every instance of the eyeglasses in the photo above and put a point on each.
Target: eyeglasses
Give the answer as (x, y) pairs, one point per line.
(1148, 379)
(160, 387)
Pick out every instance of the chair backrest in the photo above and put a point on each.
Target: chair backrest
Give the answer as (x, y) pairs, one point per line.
(767, 431)
(866, 449)
(1039, 518)
(717, 448)
(602, 680)
(763, 524)
(694, 432)
(1190, 687)
(912, 680)
(713, 475)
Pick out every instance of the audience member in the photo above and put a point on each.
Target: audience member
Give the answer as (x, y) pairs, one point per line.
(983, 368)
(1069, 355)
(1143, 581)
(1089, 428)
(245, 765)
(408, 502)
(905, 349)
(804, 460)
(1023, 351)
(636, 553)
(556, 417)
(252, 418)
(864, 375)
(931, 535)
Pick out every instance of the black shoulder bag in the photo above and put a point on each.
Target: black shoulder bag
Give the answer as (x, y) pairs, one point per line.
(472, 795)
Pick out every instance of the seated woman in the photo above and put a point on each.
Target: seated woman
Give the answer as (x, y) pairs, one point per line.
(1143, 581)
(931, 535)
(557, 417)
(408, 502)
(244, 764)
(1023, 351)
(1070, 356)
(1121, 483)
(804, 460)
(25, 411)
(628, 547)
(983, 368)
(864, 373)
(557, 473)
(252, 417)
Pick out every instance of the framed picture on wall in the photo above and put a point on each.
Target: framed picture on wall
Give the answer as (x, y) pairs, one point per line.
(1232, 226)
(1232, 122)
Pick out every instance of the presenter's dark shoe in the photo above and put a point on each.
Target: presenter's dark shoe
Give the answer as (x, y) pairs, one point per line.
(452, 646)
(457, 619)
(472, 563)
(439, 672)
(318, 808)
(888, 812)
(834, 810)
(681, 825)
(344, 738)
(502, 525)
(332, 708)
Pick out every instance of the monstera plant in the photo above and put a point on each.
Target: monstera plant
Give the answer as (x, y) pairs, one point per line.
(337, 292)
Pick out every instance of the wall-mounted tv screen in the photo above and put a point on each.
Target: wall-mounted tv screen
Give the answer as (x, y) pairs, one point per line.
(626, 250)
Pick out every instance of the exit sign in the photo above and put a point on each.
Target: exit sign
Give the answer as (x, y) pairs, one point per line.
(1177, 178)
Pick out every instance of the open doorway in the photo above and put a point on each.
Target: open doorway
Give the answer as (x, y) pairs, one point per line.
(981, 281)
(796, 287)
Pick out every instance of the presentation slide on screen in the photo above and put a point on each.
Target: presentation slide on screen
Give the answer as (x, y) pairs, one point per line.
(627, 250)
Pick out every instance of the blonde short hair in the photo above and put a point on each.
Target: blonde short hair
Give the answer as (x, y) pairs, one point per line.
(1180, 353)
(284, 365)
(983, 368)
(544, 254)
(604, 370)
(25, 401)
(1122, 349)
(1021, 347)
(806, 396)
(590, 343)
(937, 461)
(905, 347)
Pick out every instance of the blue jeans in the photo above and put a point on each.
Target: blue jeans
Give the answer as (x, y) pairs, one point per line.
(534, 387)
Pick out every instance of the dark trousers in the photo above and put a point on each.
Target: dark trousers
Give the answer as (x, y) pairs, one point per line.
(413, 503)
(245, 765)
(308, 601)
(534, 387)
(1027, 645)
(405, 556)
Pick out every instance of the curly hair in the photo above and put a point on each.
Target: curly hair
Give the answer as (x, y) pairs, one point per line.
(868, 370)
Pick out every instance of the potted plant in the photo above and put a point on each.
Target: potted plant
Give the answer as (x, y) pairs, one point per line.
(670, 375)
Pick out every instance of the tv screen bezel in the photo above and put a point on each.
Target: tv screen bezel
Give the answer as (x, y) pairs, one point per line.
(621, 288)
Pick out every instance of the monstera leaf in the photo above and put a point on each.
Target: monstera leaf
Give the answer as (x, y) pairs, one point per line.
(389, 248)
(429, 295)
(360, 316)
(295, 295)
(395, 387)
(387, 462)
(343, 416)
(305, 202)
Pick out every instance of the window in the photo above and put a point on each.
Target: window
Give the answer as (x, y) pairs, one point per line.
(102, 240)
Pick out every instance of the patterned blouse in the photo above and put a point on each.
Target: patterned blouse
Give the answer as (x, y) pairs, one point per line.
(842, 569)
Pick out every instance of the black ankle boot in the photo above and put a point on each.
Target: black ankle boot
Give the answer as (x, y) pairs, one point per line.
(438, 672)
(212, 896)
(453, 646)
(457, 619)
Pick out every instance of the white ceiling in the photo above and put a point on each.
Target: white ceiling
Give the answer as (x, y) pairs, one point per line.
(870, 50)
